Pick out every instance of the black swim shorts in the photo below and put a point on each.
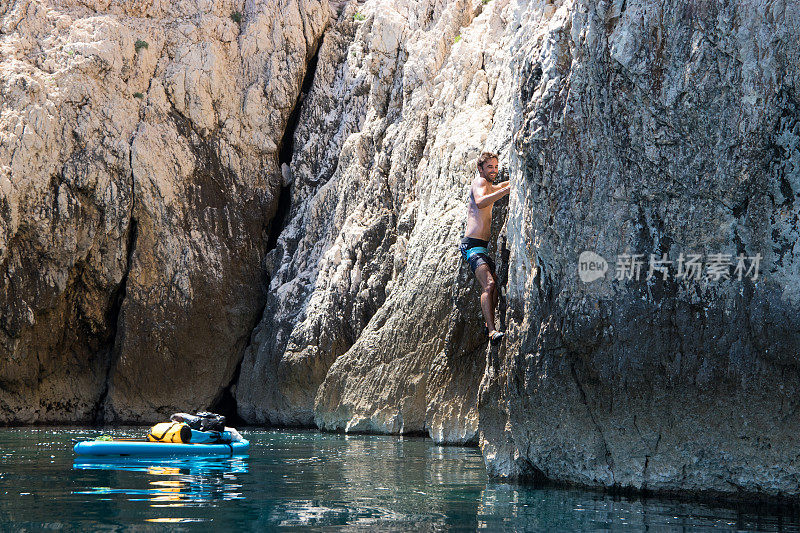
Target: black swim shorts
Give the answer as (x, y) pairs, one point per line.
(476, 259)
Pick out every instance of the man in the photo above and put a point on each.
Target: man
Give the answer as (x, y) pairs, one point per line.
(483, 194)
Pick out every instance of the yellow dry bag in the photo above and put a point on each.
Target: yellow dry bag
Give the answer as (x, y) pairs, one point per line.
(170, 432)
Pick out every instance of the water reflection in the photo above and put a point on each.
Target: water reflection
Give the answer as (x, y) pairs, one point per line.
(314, 481)
(369, 481)
(168, 482)
(506, 506)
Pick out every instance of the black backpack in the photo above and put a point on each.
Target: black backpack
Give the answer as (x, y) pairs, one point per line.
(202, 421)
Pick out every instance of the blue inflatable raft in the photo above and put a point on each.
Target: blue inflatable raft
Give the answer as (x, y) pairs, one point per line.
(133, 448)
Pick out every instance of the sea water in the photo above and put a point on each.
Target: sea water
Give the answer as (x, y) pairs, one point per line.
(313, 480)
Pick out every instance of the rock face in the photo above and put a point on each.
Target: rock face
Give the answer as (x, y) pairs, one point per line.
(629, 128)
(665, 130)
(134, 227)
(138, 175)
(371, 323)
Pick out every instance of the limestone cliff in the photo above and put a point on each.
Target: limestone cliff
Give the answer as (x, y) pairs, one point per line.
(630, 127)
(667, 129)
(138, 175)
(371, 323)
(140, 185)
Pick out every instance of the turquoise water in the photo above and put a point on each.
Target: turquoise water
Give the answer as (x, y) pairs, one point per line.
(313, 480)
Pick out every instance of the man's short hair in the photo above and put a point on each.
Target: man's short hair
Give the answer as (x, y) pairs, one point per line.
(485, 156)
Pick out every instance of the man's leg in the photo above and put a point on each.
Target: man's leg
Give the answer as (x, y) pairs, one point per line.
(496, 292)
(488, 295)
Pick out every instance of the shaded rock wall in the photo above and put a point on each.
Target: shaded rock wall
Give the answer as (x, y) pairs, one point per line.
(663, 129)
(138, 174)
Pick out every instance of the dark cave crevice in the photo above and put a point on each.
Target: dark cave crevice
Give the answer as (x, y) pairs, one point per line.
(287, 142)
(112, 319)
(285, 153)
(226, 404)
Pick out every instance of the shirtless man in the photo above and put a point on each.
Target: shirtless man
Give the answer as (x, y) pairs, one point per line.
(483, 194)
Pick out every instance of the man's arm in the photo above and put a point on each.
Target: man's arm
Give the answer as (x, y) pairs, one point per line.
(486, 194)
